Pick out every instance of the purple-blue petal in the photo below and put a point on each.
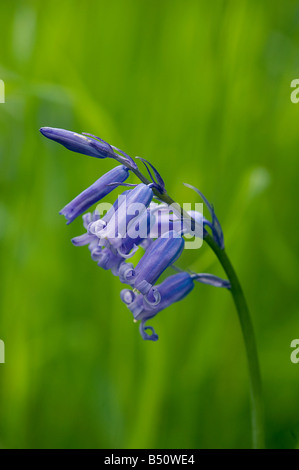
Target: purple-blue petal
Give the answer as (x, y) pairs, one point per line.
(94, 193)
(143, 225)
(116, 228)
(159, 256)
(82, 240)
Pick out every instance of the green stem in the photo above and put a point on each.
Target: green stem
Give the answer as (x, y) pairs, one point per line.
(257, 414)
(250, 345)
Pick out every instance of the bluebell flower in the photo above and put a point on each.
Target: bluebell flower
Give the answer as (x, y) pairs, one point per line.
(94, 193)
(106, 258)
(138, 231)
(136, 200)
(97, 225)
(158, 257)
(173, 289)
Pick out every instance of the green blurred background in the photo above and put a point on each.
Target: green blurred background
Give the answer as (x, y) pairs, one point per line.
(202, 90)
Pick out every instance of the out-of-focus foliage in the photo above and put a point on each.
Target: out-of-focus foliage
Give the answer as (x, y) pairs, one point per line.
(202, 89)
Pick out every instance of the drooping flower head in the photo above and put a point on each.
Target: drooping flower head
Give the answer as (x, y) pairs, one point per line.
(135, 221)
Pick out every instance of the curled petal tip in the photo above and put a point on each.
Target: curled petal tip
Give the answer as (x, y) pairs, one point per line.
(152, 337)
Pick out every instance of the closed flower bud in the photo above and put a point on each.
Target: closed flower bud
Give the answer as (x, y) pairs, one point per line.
(78, 142)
